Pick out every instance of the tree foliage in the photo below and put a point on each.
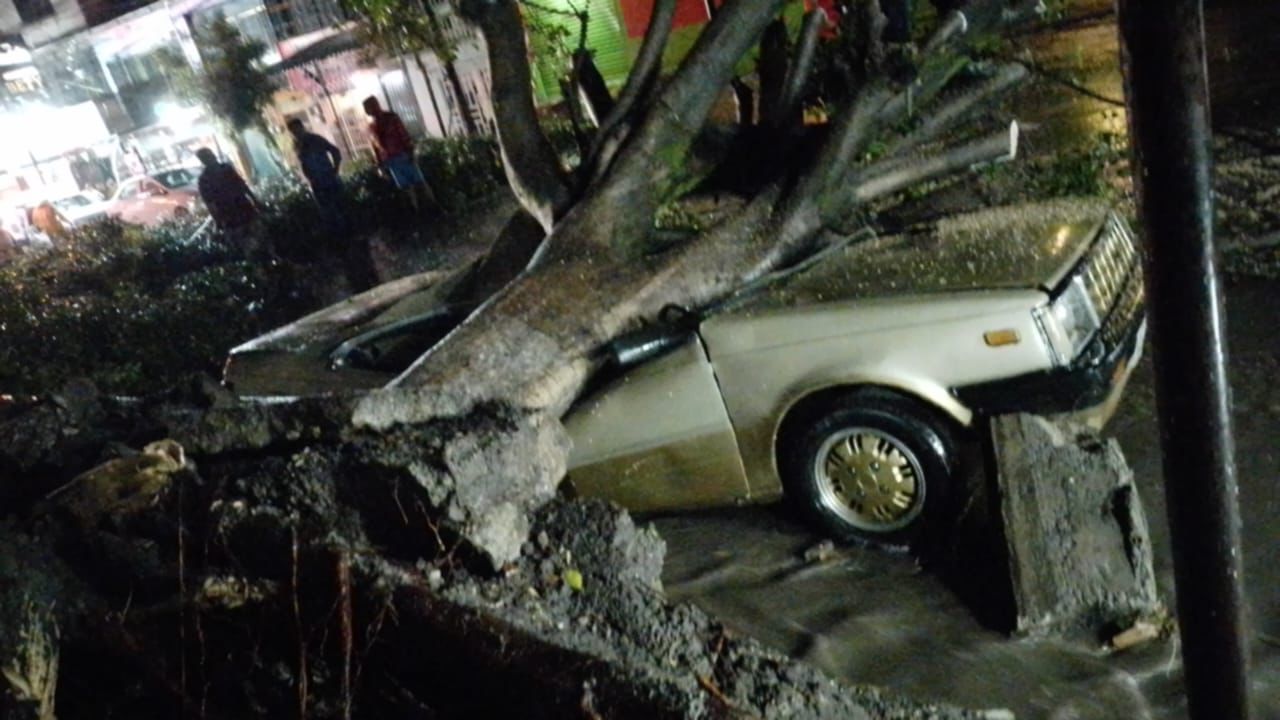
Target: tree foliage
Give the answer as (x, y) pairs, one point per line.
(231, 82)
(397, 27)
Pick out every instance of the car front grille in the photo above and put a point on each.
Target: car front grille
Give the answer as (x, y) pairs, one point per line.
(1112, 272)
(1108, 264)
(1128, 307)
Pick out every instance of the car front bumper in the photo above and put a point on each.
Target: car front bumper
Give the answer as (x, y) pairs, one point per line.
(1087, 390)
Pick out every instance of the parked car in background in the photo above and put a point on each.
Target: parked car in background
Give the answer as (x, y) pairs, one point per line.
(843, 384)
(152, 199)
(82, 208)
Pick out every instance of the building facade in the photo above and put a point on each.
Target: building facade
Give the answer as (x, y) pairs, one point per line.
(85, 80)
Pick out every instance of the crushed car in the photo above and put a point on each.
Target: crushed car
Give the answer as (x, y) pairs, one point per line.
(844, 384)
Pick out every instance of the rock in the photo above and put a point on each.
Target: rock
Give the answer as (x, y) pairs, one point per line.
(1079, 553)
(821, 552)
(121, 487)
(1142, 631)
(487, 496)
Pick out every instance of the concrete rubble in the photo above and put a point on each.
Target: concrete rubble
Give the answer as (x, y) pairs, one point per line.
(1079, 551)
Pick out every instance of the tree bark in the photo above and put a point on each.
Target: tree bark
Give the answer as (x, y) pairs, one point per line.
(531, 165)
(798, 71)
(640, 82)
(588, 79)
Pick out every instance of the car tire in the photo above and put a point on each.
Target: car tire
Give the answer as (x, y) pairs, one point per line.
(870, 466)
(181, 213)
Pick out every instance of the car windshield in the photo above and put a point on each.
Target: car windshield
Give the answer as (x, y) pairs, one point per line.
(74, 201)
(179, 177)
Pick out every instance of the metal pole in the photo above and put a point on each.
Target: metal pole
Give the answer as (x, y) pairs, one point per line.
(1162, 47)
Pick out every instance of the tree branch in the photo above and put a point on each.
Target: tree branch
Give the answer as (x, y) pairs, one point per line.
(772, 66)
(939, 60)
(647, 167)
(589, 81)
(852, 131)
(800, 68)
(946, 117)
(682, 107)
(954, 25)
(643, 75)
(892, 175)
(532, 167)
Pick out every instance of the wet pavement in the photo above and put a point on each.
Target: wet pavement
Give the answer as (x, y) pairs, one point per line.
(880, 618)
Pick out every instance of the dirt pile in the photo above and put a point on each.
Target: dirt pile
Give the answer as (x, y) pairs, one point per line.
(268, 561)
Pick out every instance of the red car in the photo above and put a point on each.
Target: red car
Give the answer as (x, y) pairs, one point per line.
(155, 198)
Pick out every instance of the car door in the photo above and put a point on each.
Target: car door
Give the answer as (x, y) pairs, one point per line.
(154, 204)
(658, 437)
(125, 205)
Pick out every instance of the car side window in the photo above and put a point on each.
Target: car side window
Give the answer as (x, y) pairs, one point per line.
(129, 190)
(154, 188)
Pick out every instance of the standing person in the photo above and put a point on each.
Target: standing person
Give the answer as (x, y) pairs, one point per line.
(393, 148)
(231, 203)
(320, 160)
(46, 218)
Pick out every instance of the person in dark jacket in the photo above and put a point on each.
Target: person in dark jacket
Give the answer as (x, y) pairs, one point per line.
(393, 149)
(320, 160)
(230, 202)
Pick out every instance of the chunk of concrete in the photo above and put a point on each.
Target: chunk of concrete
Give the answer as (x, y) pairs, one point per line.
(1079, 552)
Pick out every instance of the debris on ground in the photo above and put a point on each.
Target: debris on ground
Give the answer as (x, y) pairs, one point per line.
(1079, 551)
(290, 567)
(1140, 632)
(820, 553)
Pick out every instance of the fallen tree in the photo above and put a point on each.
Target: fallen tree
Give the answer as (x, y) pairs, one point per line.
(585, 261)
(255, 560)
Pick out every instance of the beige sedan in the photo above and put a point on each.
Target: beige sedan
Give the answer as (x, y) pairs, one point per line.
(843, 386)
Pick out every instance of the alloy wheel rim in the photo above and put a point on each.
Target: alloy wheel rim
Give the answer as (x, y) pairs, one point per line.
(869, 479)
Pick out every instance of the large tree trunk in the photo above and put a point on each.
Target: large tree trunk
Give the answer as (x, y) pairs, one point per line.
(534, 342)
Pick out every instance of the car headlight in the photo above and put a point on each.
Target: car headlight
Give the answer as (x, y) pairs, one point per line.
(1068, 322)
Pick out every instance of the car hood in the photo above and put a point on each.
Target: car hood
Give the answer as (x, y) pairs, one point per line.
(1019, 247)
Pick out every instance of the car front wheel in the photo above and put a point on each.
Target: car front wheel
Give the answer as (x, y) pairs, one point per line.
(870, 466)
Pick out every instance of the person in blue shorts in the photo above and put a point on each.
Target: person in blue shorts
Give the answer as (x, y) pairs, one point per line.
(393, 148)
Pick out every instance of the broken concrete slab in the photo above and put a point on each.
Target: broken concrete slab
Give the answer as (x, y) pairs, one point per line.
(1079, 552)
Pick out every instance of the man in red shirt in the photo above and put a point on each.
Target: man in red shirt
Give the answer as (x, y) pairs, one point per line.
(393, 148)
